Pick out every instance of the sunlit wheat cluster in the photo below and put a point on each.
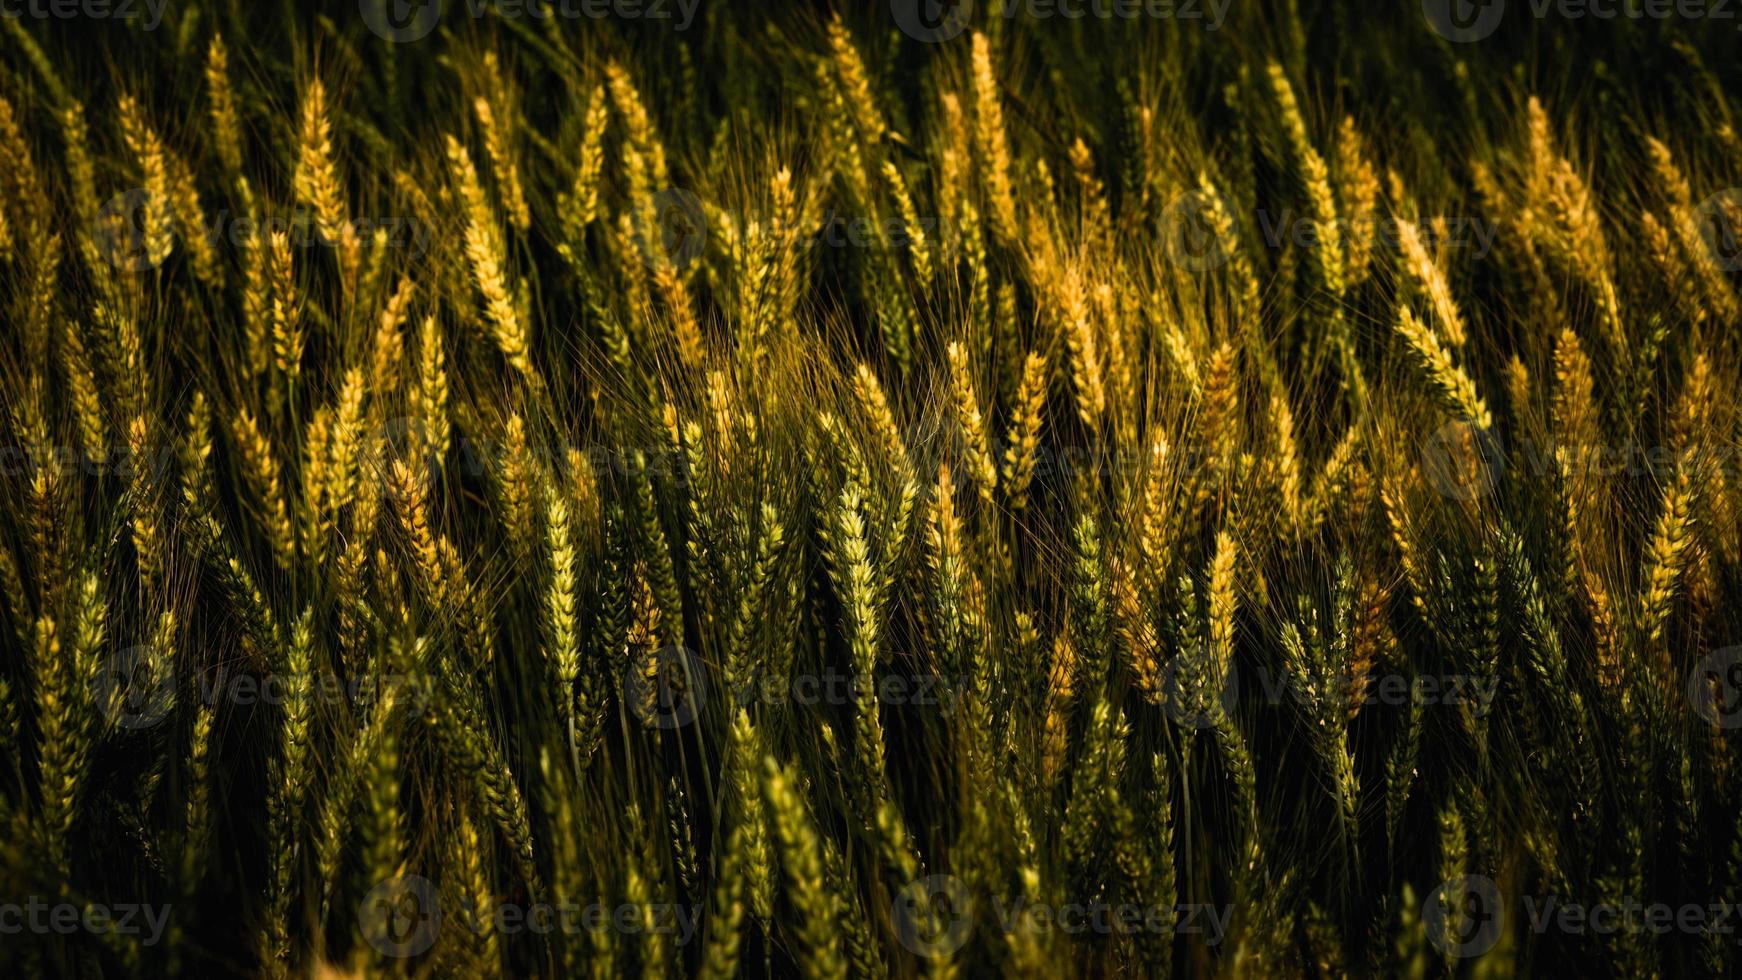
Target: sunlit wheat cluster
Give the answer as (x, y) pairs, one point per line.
(1210, 488)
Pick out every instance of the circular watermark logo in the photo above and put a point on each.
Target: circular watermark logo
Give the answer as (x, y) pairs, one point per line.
(933, 916)
(1191, 229)
(1462, 461)
(1463, 916)
(679, 230)
(931, 21)
(1720, 221)
(136, 688)
(667, 688)
(1191, 695)
(400, 21)
(400, 916)
(1463, 21)
(134, 231)
(1715, 687)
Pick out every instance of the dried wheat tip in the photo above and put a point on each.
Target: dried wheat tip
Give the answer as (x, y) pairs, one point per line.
(514, 475)
(843, 145)
(1692, 424)
(468, 852)
(1093, 191)
(1223, 599)
(81, 173)
(991, 144)
(1122, 321)
(1560, 214)
(1372, 642)
(1287, 455)
(408, 490)
(10, 152)
(1024, 438)
(751, 814)
(1431, 281)
(64, 735)
(40, 301)
(190, 221)
(314, 522)
(196, 815)
(1225, 231)
(6, 238)
(148, 537)
(1667, 555)
(257, 312)
(316, 180)
(430, 398)
(87, 402)
(221, 107)
(854, 580)
(641, 643)
(1672, 267)
(1520, 394)
(1452, 388)
(260, 469)
(21, 185)
(582, 202)
(644, 168)
(1669, 176)
(334, 819)
(913, 230)
(1573, 410)
(801, 857)
(786, 222)
(638, 894)
(1137, 629)
(1221, 414)
(12, 590)
(562, 641)
(196, 451)
(344, 442)
(874, 402)
(10, 723)
(953, 158)
(1358, 192)
(944, 540)
(157, 218)
(1086, 369)
(382, 825)
(1153, 526)
(1683, 223)
(488, 256)
(285, 310)
(1061, 679)
(855, 85)
(686, 332)
(1315, 179)
(967, 405)
(387, 348)
(503, 165)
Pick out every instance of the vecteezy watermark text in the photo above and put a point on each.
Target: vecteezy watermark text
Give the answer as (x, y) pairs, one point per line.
(401, 21)
(148, 12)
(1464, 21)
(932, 21)
(42, 917)
(403, 916)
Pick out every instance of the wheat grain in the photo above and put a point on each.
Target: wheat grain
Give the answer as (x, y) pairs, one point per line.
(1453, 388)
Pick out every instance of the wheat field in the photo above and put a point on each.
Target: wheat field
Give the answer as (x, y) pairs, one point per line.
(666, 487)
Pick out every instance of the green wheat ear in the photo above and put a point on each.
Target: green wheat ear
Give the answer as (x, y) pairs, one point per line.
(801, 858)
